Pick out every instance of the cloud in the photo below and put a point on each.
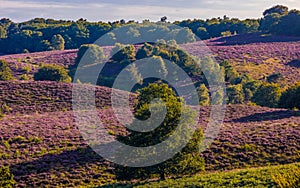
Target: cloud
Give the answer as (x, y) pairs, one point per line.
(110, 10)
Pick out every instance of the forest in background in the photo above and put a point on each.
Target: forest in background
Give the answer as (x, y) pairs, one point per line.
(41, 34)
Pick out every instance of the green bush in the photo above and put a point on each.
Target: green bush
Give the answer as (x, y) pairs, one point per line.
(123, 52)
(52, 72)
(91, 53)
(235, 94)
(267, 95)
(6, 178)
(231, 75)
(5, 71)
(144, 51)
(250, 87)
(290, 97)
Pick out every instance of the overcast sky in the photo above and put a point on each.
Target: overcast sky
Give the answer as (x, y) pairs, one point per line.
(111, 10)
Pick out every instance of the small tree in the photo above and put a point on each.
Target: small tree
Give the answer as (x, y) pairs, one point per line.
(92, 54)
(144, 51)
(267, 95)
(52, 72)
(279, 9)
(123, 52)
(188, 160)
(58, 42)
(5, 71)
(235, 94)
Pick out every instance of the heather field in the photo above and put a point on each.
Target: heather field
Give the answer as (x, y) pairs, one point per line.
(43, 146)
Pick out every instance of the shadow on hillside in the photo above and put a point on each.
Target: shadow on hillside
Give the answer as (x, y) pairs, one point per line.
(252, 38)
(67, 161)
(267, 116)
(294, 63)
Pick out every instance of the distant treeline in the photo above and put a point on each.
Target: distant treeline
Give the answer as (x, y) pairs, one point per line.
(42, 34)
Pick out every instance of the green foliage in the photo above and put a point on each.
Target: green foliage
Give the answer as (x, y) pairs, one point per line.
(6, 178)
(279, 9)
(58, 42)
(267, 95)
(290, 97)
(255, 177)
(1, 112)
(5, 71)
(91, 53)
(250, 88)
(123, 52)
(235, 94)
(290, 178)
(187, 161)
(52, 72)
(204, 99)
(231, 75)
(226, 33)
(145, 51)
(278, 20)
(24, 77)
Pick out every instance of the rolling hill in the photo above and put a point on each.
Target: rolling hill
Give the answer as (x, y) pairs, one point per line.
(43, 145)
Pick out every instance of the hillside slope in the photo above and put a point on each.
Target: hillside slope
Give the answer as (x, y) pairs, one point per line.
(47, 149)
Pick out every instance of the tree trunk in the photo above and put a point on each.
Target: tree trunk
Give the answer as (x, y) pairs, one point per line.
(162, 175)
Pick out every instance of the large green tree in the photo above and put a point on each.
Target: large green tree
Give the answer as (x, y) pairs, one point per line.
(188, 160)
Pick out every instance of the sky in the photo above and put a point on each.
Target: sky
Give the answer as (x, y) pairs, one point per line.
(112, 10)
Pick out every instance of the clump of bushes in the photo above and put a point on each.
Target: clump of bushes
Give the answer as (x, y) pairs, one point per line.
(52, 72)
